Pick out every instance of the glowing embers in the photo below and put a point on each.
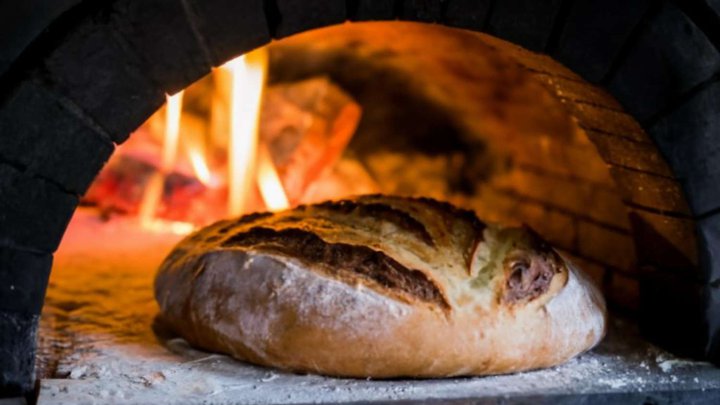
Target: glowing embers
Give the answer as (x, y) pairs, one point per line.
(229, 145)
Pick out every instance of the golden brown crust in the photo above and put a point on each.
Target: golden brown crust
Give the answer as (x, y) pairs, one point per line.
(378, 286)
(350, 263)
(384, 212)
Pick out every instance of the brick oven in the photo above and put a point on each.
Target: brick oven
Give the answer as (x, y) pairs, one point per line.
(605, 115)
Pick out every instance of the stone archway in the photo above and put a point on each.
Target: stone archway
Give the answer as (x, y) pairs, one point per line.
(101, 69)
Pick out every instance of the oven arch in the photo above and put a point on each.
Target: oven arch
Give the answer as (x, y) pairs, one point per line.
(101, 69)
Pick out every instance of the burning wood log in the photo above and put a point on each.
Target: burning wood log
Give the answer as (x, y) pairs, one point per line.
(304, 127)
(119, 189)
(307, 126)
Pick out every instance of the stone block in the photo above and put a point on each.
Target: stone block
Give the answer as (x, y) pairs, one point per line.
(703, 192)
(715, 4)
(18, 333)
(580, 198)
(688, 138)
(468, 14)
(422, 10)
(623, 292)
(563, 158)
(595, 32)
(90, 68)
(672, 313)
(22, 22)
(651, 191)
(366, 10)
(665, 242)
(23, 280)
(606, 246)
(231, 27)
(591, 117)
(671, 56)
(161, 32)
(301, 15)
(535, 62)
(495, 206)
(712, 318)
(528, 23)
(579, 91)
(556, 227)
(630, 154)
(33, 212)
(48, 141)
(709, 246)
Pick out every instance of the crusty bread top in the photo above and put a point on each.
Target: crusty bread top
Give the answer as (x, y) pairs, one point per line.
(416, 250)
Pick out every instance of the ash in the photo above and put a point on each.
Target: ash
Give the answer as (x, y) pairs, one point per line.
(98, 345)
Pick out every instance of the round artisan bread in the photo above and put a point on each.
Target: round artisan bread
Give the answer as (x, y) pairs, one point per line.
(379, 286)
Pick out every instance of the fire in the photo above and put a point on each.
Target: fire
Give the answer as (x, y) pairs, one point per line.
(154, 188)
(249, 163)
(245, 164)
(269, 182)
(172, 132)
(248, 76)
(195, 150)
(202, 172)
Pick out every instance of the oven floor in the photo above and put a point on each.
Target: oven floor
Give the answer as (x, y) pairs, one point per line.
(97, 346)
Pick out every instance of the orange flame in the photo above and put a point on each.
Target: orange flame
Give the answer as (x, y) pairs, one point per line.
(269, 182)
(173, 115)
(248, 79)
(248, 162)
(154, 188)
(200, 167)
(196, 152)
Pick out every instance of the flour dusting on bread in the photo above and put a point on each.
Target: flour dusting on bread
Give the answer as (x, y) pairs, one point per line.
(379, 286)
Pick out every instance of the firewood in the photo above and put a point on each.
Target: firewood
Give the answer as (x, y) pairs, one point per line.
(307, 126)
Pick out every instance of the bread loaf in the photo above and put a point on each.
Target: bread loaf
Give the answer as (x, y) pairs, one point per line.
(379, 286)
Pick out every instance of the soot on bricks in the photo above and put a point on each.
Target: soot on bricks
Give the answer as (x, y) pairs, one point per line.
(101, 69)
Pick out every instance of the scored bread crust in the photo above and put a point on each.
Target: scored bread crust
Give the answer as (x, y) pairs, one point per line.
(377, 287)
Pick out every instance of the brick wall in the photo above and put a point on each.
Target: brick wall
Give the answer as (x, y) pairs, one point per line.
(617, 252)
(554, 151)
(103, 67)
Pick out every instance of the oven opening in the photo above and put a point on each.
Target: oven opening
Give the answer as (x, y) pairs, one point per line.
(288, 202)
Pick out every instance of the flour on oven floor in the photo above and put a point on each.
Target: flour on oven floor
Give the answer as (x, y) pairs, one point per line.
(98, 346)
